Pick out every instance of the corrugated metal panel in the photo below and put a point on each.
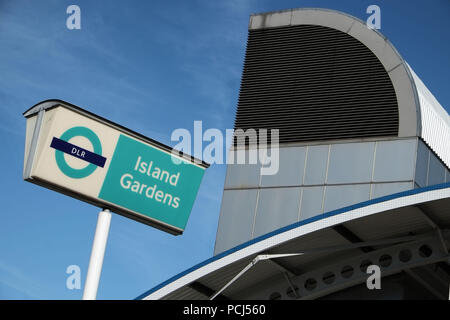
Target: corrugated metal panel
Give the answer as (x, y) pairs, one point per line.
(314, 83)
(321, 239)
(435, 121)
(435, 212)
(399, 222)
(263, 270)
(216, 282)
(435, 132)
(185, 293)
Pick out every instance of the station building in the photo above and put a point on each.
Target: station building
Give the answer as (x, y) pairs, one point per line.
(363, 177)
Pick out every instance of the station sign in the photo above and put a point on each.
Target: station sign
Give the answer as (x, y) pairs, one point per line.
(78, 153)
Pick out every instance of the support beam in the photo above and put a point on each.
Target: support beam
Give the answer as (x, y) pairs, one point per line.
(205, 290)
(444, 266)
(282, 268)
(392, 248)
(425, 282)
(291, 285)
(265, 257)
(435, 227)
(350, 236)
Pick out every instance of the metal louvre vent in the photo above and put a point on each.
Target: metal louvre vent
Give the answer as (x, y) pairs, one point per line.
(314, 83)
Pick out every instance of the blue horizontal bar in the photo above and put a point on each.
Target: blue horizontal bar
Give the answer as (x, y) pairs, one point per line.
(78, 152)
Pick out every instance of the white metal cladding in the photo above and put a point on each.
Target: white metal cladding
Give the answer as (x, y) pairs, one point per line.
(435, 121)
(280, 238)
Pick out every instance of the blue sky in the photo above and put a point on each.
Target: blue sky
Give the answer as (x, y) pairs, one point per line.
(152, 66)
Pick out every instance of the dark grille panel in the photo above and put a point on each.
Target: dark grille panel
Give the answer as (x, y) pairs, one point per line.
(314, 83)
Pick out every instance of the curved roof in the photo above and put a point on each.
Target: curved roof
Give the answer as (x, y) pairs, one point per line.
(418, 110)
(395, 66)
(380, 218)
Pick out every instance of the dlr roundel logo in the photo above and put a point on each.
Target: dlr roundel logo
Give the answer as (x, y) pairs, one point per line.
(63, 146)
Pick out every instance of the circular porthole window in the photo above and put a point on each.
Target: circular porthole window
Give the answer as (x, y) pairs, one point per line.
(405, 255)
(291, 294)
(275, 296)
(385, 260)
(425, 251)
(328, 277)
(364, 264)
(310, 284)
(347, 272)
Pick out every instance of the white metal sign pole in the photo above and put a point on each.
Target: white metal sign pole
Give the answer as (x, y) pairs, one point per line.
(97, 254)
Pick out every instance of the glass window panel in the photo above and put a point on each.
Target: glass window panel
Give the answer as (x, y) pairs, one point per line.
(277, 207)
(384, 189)
(290, 170)
(422, 164)
(316, 164)
(436, 171)
(394, 160)
(311, 204)
(341, 196)
(242, 175)
(351, 162)
(236, 218)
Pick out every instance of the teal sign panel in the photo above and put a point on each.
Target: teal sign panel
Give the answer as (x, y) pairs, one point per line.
(146, 180)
